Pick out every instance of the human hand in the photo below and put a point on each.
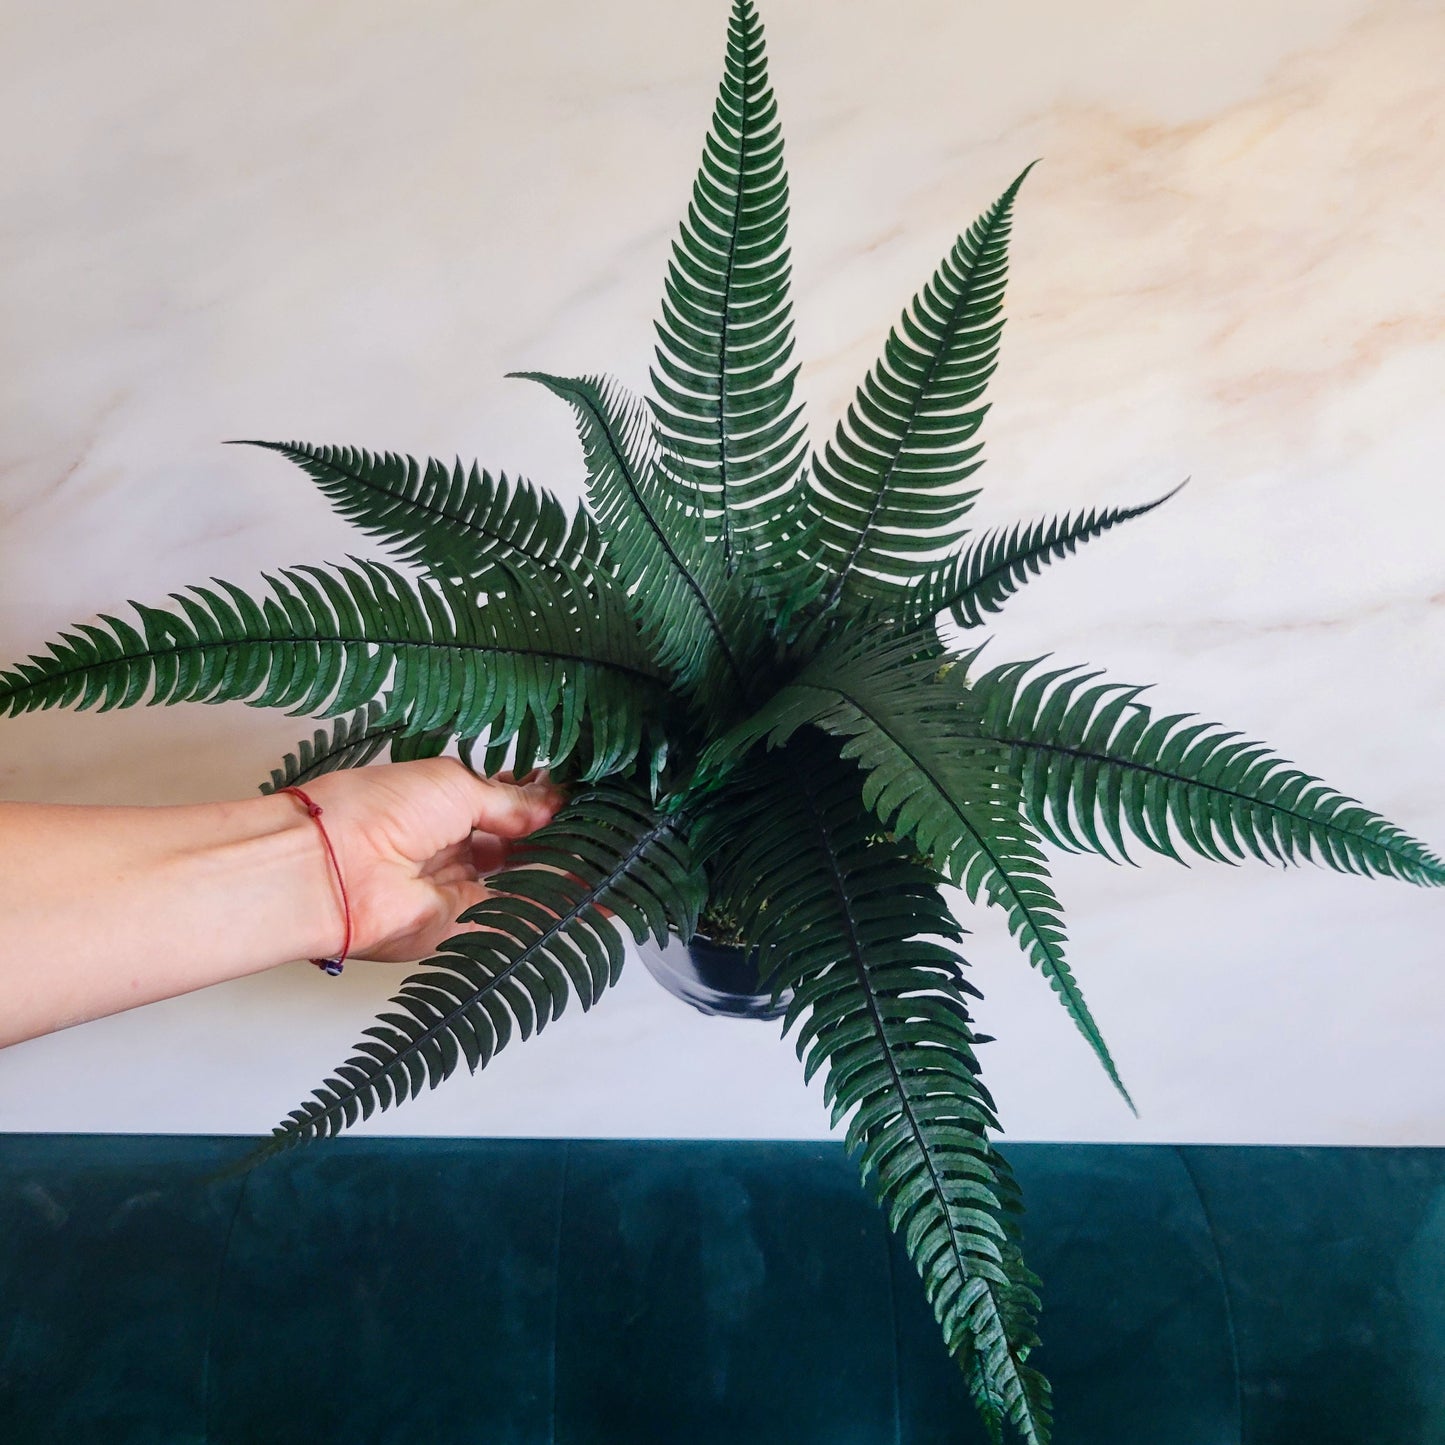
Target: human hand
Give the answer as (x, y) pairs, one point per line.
(415, 841)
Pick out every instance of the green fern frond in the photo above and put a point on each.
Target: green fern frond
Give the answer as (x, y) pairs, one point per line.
(989, 571)
(699, 621)
(551, 933)
(888, 491)
(327, 641)
(928, 775)
(723, 378)
(851, 924)
(408, 746)
(352, 742)
(451, 521)
(1092, 758)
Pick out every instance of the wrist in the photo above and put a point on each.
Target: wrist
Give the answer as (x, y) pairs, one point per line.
(331, 960)
(176, 898)
(274, 857)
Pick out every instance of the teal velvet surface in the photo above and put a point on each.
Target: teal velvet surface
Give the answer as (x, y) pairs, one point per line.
(662, 1293)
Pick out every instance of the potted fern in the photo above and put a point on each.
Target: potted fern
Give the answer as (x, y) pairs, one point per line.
(739, 656)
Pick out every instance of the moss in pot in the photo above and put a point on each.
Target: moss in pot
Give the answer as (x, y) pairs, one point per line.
(741, 655)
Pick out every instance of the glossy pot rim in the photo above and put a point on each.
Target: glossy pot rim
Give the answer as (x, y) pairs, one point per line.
(717, 979)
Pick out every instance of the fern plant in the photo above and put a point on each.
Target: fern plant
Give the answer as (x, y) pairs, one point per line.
(737, 657)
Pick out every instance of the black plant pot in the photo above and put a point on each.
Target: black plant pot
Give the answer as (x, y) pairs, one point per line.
(715, 978)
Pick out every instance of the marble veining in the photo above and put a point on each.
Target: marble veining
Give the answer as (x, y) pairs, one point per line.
(346, 222)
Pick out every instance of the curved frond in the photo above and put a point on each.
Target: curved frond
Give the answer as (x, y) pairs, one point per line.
(724, 378)
(700, 622)
(352, 742)
(409, 746)
(1094, 762)
(551, 933)
(453, 521)
(329, 640)
(888, 491)
(990, 570)
(928, 775)
(858, 931)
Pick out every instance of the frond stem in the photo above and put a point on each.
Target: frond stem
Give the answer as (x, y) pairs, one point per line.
(587, 901)
(915, 1127)
(413, 644)
(722, 437)
(1083, 755)
(441, 514)
(692, 583)
(935, 361)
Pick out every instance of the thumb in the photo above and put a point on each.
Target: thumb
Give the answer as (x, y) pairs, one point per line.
(511, 810)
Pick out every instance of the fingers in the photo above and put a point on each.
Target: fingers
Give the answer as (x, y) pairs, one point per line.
(457, 855)
(511, 810)
(506, 775)
(491, 805)
(488, 852)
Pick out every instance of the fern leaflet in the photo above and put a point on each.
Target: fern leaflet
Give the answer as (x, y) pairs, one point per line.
(838, 913)
(451, 521)
(723, 379)
(326, 641)
(989, 571)
(549, 934)
(1092, 757)
(888, 491)
(698, 620)
(353, 741)
(928, 775)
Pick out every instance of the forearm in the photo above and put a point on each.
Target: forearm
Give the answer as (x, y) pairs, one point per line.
(102, 909)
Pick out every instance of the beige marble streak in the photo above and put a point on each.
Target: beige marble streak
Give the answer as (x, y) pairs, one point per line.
(347, 221)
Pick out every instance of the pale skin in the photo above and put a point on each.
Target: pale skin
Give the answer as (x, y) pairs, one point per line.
(107, 908)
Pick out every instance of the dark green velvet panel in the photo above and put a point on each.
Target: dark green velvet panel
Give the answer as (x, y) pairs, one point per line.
(721, 1292)
(547, 1293)
(1136, 1324)
(110, 1265)
(405, 1286)
(1334, 1261)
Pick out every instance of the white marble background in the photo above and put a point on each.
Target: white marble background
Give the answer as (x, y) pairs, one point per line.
(345, 221)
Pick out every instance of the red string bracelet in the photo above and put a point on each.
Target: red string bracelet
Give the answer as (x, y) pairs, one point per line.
(313, 811)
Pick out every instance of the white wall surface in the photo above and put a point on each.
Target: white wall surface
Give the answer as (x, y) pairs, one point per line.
(345, 220)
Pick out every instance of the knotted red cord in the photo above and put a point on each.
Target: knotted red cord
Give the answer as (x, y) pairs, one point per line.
(313, 811)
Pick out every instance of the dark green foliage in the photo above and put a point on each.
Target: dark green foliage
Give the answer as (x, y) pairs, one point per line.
(723, 378)
(407, 746)
(986, 573)
(748, 654)
(858, 930)
(929, 776)
(327, 640)
(453, 522)
(888, 490)
(543, 942)
(352, 743)
(692, 612)
(1091, 757)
